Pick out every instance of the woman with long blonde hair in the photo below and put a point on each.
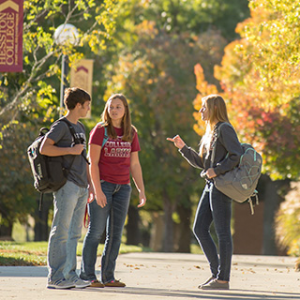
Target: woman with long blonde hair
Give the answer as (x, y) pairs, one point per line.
(214, 206)
(112, 162)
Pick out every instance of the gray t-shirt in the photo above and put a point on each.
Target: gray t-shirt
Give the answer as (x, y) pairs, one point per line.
(61, 135)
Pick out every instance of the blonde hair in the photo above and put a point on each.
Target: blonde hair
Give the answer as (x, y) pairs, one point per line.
(216, 112)
(126, 120)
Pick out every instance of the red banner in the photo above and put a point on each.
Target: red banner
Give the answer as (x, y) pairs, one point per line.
(11, 35)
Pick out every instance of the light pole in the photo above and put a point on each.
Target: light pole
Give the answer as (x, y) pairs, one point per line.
(63, 35)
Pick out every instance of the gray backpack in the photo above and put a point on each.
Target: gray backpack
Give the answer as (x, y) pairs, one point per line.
(240, 183)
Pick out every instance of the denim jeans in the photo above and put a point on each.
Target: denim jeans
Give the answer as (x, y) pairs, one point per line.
(69, 207)
(215, 206)
(112, 217)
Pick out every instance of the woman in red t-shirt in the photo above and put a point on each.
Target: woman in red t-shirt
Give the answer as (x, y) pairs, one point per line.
(112, 163)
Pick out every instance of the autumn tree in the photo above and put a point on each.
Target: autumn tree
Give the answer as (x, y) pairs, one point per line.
(258, 76)
(157, 77)
(287, 222)
(30, 98)
(260, 73)
(195, 17)
(177, 20)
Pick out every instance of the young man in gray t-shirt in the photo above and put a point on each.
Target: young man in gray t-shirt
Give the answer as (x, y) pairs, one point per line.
(70, 200)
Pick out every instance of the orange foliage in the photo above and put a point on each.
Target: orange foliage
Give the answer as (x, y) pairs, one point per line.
(273, 131)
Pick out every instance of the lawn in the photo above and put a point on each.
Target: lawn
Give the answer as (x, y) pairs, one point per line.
(35, 253)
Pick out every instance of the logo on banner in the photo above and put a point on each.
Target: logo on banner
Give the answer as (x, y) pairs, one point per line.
(82, 76)
(11, 35)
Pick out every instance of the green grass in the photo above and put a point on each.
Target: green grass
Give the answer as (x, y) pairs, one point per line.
(195, 249)
(35, 253)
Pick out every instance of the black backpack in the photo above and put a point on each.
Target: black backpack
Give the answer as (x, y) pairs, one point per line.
(49, 172)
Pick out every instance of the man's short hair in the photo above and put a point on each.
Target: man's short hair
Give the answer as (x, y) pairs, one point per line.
(75, 95)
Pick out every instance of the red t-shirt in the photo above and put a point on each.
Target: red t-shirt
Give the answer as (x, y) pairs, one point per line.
(114, 163)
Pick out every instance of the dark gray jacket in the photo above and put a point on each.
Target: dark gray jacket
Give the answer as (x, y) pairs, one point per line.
(226, 143)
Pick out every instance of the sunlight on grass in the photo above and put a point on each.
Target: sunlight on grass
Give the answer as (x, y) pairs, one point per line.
(195, 249)
(35, 253)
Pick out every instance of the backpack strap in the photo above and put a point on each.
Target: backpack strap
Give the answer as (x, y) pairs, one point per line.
(251, 206)
(73, 133)
(105, 138)
(213, 155)
(251, 203)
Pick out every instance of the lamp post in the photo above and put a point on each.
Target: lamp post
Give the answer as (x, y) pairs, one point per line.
(63, 35)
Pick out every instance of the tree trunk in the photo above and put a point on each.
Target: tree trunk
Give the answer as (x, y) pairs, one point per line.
(272, 200)
(168, 242)
(132, 227)
(41, 228)
(6, 232)
(6, 225)
(157, 235)
(184, 241)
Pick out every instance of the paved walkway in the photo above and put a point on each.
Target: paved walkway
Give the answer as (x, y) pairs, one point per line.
(165, 276)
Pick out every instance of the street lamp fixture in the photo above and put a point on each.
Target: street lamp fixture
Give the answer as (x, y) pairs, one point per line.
(65, 34)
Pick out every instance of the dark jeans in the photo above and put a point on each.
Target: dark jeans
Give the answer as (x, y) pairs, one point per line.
(215, 206)
(113, 217)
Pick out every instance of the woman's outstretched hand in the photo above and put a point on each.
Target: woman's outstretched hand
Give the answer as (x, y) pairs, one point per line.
(178, 142)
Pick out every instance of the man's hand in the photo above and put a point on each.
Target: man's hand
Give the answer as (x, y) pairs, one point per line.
(77, 149)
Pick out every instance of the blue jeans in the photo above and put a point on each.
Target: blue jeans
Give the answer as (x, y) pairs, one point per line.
(69, 207)
(215, 206)
(112, 217)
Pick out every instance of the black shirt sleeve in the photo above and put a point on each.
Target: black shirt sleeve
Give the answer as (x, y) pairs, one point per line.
(192, 157)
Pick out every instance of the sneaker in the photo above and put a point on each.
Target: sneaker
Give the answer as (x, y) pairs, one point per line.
(115, 283)
(215, 285)
(207, 281)
(60, 284)
(80, 284)
(97, 284)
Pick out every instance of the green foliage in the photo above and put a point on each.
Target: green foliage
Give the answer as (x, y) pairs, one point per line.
(41, 55)
(157, 78)
(160, 86)
(29, 99)
(259, 74)
(16, 189)
(269, 47)
(287, 221)
(197, 16)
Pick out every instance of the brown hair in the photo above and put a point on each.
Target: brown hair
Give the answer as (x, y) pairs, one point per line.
(126, 121)
(75, 95)
(217, 112)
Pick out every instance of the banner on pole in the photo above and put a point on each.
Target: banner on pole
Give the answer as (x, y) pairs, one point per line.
(82, 76)
(11, 35)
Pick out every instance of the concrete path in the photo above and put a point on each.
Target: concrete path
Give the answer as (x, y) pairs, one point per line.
(165, 276)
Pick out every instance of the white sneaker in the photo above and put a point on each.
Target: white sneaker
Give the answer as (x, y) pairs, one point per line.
(215, 285)
(60, 284)
(80, 284)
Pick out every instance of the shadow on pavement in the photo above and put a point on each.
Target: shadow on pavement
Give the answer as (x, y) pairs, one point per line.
(23, 272)
(230, 294)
